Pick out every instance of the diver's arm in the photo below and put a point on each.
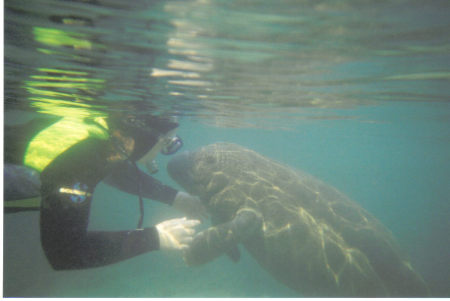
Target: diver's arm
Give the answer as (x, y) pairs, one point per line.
(69, 245)
(126, 177)
(67, 185)
(217, 240)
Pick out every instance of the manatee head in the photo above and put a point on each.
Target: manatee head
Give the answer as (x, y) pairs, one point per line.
(204, 172)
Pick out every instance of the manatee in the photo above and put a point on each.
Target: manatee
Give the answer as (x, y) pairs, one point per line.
(305, 233)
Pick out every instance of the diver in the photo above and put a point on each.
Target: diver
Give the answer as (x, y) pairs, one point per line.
(72, 156)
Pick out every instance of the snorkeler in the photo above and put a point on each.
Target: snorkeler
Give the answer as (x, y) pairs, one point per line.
(73, 156)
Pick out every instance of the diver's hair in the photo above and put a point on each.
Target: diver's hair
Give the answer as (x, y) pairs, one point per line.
(163, 124)
(145, 129)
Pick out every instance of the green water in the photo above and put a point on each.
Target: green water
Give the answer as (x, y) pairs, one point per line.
(355, 93)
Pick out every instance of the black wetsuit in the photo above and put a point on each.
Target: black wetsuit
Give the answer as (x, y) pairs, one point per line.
(64, 216)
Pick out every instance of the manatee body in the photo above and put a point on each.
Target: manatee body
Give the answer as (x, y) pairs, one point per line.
(307, 234)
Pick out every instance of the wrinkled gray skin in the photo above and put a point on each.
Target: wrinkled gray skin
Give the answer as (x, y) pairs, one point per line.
(307, 234)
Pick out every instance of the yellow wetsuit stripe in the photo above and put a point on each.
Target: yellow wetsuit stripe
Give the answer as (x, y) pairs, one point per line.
(57, 138)
(24, 203)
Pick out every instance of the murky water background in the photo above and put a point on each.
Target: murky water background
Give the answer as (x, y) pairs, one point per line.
(354, 92)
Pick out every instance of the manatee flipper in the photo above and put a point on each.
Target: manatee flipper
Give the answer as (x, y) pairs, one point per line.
(223, 238)
(234, 254)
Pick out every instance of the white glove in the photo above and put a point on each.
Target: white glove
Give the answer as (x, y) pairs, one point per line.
(176, 234)
(190, 205)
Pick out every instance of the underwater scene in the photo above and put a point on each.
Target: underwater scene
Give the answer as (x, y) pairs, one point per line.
(316, 134)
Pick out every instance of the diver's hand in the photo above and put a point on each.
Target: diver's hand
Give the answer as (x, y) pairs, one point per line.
(176, 234)
(190, 205)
